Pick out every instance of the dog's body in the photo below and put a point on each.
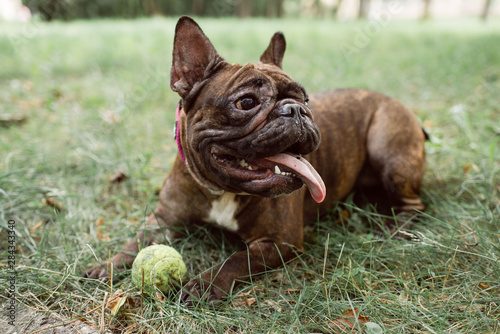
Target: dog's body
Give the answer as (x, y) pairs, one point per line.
(244, 131)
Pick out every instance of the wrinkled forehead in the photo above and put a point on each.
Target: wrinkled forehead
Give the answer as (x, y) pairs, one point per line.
(258, 76)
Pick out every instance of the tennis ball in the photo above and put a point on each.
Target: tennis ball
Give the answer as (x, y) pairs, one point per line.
(161, 264)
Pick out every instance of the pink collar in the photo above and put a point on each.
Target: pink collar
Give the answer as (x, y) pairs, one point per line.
(177, 131)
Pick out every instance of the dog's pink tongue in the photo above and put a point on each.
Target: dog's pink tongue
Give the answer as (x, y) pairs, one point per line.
(306, 171)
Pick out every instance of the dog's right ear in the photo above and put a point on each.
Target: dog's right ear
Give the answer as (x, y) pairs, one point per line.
(193, 58)
(275, 51)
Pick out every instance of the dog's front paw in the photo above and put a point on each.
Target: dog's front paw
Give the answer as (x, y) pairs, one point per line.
(120, 263)
(99, 272)
(203, 290)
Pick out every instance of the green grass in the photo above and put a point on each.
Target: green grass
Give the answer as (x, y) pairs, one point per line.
(96, 99)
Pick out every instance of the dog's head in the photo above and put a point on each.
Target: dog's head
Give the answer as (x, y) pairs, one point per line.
(245, 128)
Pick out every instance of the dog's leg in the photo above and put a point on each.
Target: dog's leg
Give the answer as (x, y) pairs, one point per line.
(274, 235)
(399, 160)
(162, 225)
(215, 284)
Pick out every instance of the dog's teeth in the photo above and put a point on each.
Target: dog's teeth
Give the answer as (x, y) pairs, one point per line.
(250, 167)
(243, 163)
(277, 170)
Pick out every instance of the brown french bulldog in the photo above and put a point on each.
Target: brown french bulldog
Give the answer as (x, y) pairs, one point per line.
(249, 140)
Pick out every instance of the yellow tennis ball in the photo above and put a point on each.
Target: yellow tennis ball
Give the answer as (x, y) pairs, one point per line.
(160, 264)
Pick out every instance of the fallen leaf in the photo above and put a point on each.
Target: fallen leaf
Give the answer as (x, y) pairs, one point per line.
(119, 177)
(160, 296)
(470, 166)
(238, 303)
(292, 291)
(244, 299)
(252, 291)
(110, 117)
(274, 306)
(349, 321)
(116, 301)
(37, 226)
(101, 236)
(342, 217)
(483, 286)
(250, 301)
(49, 201)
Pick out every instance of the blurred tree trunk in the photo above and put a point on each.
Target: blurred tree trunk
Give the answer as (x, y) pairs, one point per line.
(486, 9)
(427, 6)
(335, 10)
(270, 8)
(363, 8)
(274, 8)
(244, 8)
(198, 7)
(281, 12)
(150, 7)
(317, 8)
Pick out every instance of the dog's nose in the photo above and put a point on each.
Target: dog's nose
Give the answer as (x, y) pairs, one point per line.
(291, 110)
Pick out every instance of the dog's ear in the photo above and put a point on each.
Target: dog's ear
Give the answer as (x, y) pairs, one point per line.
(275, 51)
(193, 58)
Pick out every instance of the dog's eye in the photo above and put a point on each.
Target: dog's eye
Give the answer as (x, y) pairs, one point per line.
(306, 102)
(246, 103)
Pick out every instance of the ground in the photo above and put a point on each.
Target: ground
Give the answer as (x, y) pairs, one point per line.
(82, 102)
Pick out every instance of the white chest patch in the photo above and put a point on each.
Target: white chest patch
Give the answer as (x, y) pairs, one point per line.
(222, 212)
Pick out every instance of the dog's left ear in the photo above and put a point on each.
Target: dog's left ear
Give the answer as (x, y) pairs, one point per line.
(275, 51)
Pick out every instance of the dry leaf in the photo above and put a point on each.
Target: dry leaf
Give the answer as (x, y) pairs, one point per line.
(121, 303)
(37, 226)
(292, 291)
(250, 301)
(238, 303)
(160, 296)
(274, 306)
(244, 299)
(253, 290)
(349, 321)
(119, 177)
(470, 166)
(342, 218)
(110, 117)
(101, 236)
(49, 201)
(243, 302)
(483, 286)
(116, 301)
